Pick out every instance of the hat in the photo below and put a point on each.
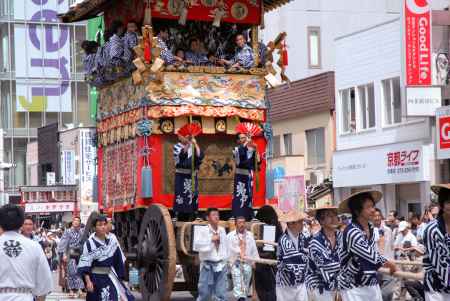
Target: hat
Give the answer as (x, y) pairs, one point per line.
(292, 216)
(343, 206)
(438, 187)
(313, 211)
(403, 225)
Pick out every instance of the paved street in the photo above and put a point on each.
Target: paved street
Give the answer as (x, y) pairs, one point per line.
(59, 296)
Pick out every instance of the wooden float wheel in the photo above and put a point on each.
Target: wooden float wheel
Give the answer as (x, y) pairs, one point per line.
(156, 254)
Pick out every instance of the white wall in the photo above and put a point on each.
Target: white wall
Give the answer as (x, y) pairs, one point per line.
(335, 18)
(371, 56)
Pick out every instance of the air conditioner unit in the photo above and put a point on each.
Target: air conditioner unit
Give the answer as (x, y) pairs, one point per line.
(312, 178)
(316, 177)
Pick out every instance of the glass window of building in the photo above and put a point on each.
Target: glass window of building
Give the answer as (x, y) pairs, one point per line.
(392, 101)
(348, 110)
(315, 143)
(287, 139)
(314, 59)
(276, 146)
(366, 95)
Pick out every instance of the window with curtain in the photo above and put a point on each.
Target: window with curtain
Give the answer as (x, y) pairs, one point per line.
(314, 59)
(348, 110)
(392, 101)
(366, 96)
(287, 139)
(315, 143)
(276, 151)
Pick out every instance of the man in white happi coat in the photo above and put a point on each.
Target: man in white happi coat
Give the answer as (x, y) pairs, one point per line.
(24, 270)
(213, 254)
(242, 249)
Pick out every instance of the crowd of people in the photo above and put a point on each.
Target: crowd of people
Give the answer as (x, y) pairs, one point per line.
(321, 254)
(114, 59)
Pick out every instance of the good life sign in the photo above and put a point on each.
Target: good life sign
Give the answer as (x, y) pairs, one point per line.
(417, 42)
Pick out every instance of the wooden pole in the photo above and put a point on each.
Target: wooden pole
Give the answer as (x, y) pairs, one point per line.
(398, 274)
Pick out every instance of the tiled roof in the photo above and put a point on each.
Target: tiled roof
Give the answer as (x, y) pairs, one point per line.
(309, 95)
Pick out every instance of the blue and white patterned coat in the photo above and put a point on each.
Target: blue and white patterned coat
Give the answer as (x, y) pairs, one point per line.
(323, 263)
(292, 262)
(436, 261)
(359, 257)
(106, 255)
(186, 200)
(197, 58)
(244, 159)
(130, 40)
(244, 56)
(166, 55)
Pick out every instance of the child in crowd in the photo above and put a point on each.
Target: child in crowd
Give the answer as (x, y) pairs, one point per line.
(130, 40)
(90, 63)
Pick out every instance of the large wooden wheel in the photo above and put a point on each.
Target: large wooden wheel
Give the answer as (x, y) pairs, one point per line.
(156, 254)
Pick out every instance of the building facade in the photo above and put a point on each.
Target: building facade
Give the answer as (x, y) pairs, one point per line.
(41, 80)
(302, 117)
(378, 145)
(312, 26)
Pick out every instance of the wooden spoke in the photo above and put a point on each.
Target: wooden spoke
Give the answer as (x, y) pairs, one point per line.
(157, 254)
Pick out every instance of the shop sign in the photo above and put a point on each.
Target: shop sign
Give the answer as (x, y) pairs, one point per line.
(49, 207)
(387, 164)
(68, 167)
(417, 42)
(423, 101)
(51, 178)
(88, 156)
(443, 133)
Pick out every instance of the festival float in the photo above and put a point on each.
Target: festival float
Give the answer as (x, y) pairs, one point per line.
(140, 112)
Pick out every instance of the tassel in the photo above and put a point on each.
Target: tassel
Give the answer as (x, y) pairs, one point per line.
(147, 52)
(192, 163)
(284, 55)
(256, 170)
(147, 13)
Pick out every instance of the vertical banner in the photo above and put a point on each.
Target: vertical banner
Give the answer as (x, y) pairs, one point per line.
(42, 53)
(417, 42)
(68, 167)
(87, 156)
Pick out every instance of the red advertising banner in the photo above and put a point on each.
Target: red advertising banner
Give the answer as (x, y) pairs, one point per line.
(444, 132)
(417, 35)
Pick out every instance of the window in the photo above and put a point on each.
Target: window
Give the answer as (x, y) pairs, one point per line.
(287, 139)
(366, 95)
(348, 110)
(314, 59)
(392, 101)
(276, 146)
(315, 144)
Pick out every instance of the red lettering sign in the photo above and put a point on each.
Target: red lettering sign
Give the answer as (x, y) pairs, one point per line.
(417, 34)
(444, 132)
